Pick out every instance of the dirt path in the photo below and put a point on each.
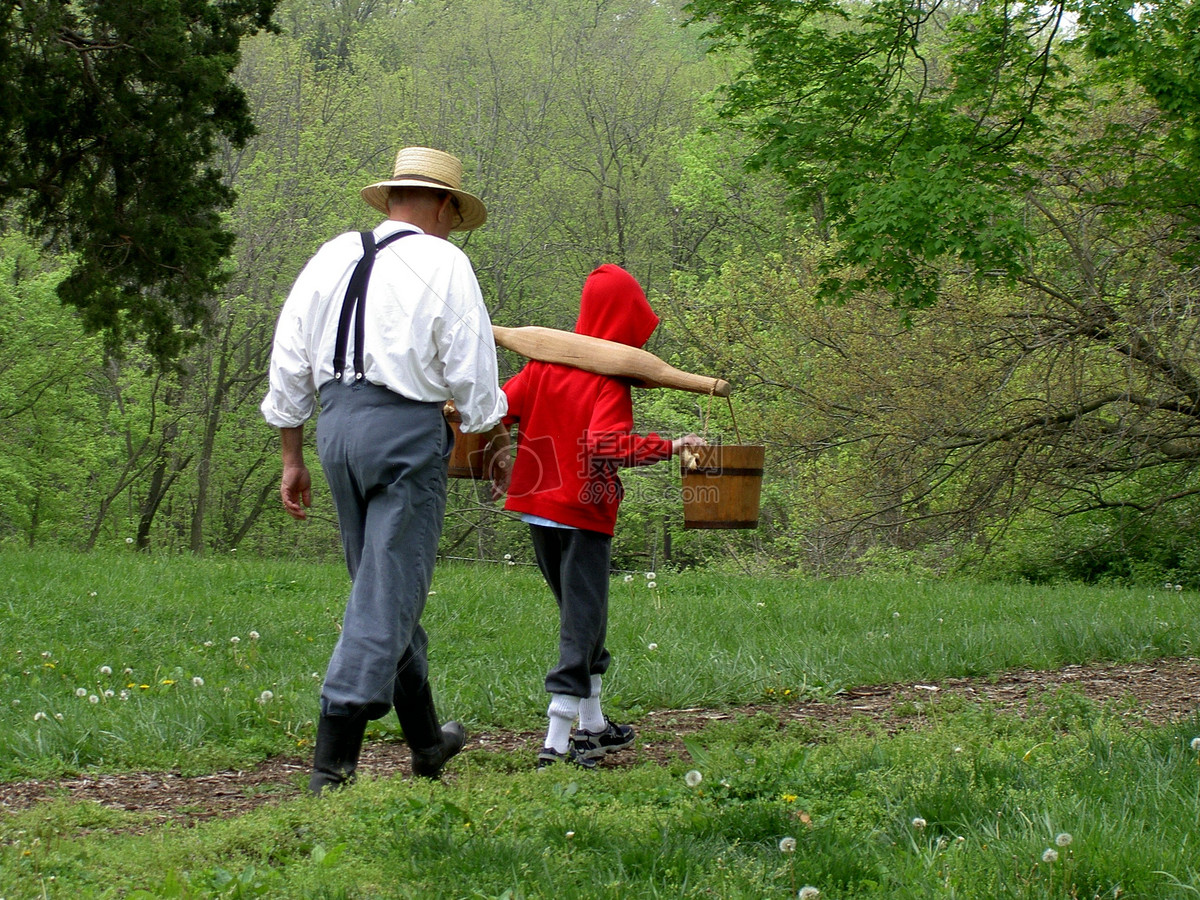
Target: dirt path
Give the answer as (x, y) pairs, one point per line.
(1153, 692)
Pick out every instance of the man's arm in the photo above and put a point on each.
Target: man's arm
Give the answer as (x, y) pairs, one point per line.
(295, 488)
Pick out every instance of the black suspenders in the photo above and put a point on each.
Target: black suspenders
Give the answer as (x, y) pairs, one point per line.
(352, 305)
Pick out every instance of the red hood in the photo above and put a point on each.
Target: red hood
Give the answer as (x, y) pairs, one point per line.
(614, 307)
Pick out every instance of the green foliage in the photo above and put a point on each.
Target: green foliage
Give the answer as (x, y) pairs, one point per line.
(909, 124)
(112, 115)
(49, 419)
(1158, 49)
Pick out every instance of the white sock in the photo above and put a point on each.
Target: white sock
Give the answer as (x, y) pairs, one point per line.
(591, 718)
(562, 711)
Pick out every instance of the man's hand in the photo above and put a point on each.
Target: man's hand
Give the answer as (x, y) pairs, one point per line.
(497, 461)
(296, 491)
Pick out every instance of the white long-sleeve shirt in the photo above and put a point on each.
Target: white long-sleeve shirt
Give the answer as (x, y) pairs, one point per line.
(428, 336)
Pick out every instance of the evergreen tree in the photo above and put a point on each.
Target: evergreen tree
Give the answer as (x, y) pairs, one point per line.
(111, 113)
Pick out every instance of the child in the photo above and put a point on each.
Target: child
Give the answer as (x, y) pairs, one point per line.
(574, 432)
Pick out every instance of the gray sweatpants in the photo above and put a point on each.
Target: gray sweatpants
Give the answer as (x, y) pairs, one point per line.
(384, 457)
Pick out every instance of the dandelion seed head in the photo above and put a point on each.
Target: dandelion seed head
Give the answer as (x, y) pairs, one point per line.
(39, 716)
(654, 646)
(1050, 855)
(808, 892)
(1196, 743)
(235, 640)
(266, 697)
(628, 578)
(918, 822)
(105, 670)
(895, 615)
(92, 698)
(1179, 587)
(58, 716)
(1064, 839)
(508, 556)
(649, 576)
(651, 584)
(128, 671)
(129, 540)
(208, 643)
(80, 692)
(198, 681)
(787, 845)
(254, 635)
(693, 778)
(108, 694)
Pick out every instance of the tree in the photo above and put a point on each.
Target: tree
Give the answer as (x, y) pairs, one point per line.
(919, 126)
(111, 112)
(1031, 179)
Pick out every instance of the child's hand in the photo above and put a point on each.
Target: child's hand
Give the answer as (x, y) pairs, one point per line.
(688, 440)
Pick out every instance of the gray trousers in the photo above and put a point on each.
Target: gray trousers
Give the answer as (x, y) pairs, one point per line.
(384, 457)
(576, 564)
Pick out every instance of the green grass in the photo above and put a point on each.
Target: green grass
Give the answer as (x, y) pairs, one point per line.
(993, 790)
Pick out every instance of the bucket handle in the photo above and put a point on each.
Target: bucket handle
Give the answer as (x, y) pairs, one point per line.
(689, 459)
(708, 414)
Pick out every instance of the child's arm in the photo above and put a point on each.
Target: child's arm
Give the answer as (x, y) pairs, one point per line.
(609, 436)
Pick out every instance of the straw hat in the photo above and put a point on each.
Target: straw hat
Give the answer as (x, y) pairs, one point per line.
(423, 167)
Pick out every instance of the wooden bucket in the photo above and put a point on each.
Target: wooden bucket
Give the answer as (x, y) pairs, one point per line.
(466, 460)
(721, 485)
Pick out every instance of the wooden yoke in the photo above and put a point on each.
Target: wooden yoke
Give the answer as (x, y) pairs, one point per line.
(593, 354)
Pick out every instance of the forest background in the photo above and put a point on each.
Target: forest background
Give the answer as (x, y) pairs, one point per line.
(946, 253)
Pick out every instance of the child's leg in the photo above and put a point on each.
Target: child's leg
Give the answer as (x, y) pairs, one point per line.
(562, 712)
(591, 716)
(575, 564)
(571, 561)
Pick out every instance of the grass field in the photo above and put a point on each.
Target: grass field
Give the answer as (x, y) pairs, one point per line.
(131, 663)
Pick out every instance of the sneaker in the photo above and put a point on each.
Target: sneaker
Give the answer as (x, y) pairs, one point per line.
(548, 756)
(595, 745)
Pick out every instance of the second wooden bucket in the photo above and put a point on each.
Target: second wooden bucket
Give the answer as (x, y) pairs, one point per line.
(466, 460)
(721, 485)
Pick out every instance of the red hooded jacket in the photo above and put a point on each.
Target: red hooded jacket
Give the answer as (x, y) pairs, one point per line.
(575, 427)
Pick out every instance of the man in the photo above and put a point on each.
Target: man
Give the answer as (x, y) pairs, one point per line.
(421, 337)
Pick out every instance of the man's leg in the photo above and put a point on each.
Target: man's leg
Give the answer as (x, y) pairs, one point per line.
(384, 460)
(432, 744)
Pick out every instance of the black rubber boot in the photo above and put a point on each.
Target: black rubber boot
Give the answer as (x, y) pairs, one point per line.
(432, 745)
(339, 741)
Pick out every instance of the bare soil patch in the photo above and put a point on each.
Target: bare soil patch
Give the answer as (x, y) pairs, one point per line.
(1145, 693)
